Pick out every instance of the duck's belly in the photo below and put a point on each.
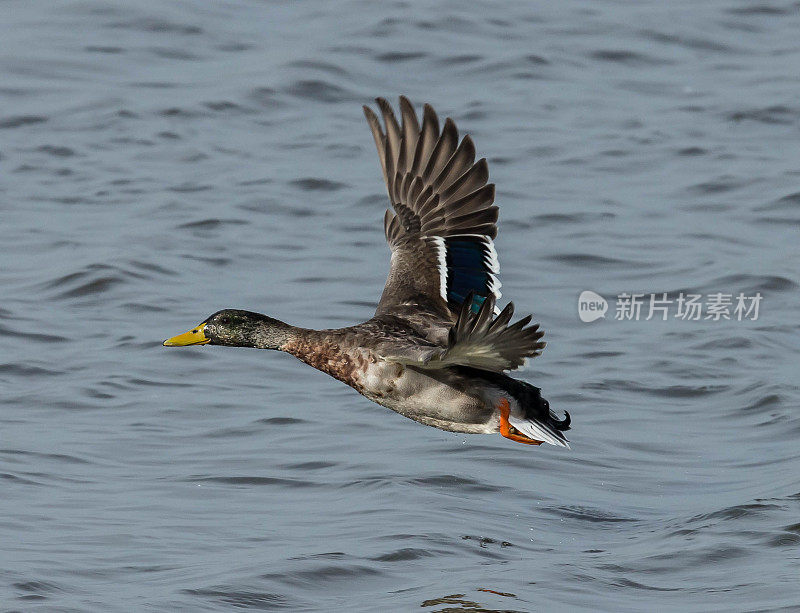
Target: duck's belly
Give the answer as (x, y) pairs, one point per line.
(433, 397)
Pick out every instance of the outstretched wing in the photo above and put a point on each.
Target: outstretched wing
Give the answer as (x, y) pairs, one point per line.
(443, 223)
(479, 341)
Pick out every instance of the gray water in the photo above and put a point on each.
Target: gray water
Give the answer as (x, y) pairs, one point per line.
(163, 160)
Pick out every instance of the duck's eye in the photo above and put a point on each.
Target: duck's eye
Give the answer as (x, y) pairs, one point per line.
(224, 321)
(545, 404)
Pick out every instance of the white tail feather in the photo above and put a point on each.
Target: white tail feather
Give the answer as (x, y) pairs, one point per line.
(538, 431)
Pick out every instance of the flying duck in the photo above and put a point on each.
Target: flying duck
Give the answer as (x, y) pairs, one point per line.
(438, 348)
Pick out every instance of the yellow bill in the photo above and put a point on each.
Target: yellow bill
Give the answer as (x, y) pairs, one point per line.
(194, 336)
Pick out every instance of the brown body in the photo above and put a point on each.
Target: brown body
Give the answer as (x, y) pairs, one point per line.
(439, 398)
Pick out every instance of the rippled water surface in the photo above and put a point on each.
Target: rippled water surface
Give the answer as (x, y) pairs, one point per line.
(163, 160)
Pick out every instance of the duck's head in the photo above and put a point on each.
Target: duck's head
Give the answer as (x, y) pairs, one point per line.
(234, 328)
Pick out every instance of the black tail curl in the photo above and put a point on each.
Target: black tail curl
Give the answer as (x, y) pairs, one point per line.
(562, 424)
(528, 396)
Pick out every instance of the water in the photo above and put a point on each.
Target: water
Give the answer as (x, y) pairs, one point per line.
(162, 161)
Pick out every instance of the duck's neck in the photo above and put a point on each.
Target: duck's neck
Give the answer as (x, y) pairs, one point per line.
(273, 334)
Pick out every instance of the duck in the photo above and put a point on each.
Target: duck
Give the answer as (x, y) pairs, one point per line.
(438, 349)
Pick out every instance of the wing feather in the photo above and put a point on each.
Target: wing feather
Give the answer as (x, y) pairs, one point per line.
(480, 341)
(443, 223)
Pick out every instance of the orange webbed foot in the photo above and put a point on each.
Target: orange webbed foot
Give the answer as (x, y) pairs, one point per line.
(507, 430)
